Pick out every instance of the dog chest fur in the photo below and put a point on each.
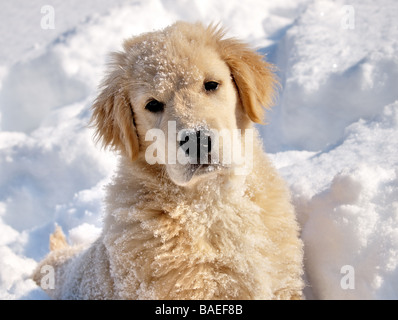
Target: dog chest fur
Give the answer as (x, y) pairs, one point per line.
(233, 237)
(215, 241)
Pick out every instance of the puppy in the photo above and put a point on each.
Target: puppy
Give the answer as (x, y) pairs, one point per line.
(206, 228)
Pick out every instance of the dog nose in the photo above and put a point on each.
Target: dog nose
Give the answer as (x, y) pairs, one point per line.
(197, 145)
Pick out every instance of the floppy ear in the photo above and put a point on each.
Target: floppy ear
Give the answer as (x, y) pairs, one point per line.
(254, 77)
(113, 117)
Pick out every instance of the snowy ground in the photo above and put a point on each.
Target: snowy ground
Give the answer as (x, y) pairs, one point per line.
(333, 134)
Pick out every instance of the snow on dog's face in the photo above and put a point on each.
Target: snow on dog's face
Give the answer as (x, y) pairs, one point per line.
(171, 94)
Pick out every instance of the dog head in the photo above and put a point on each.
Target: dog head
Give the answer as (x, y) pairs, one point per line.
(187, 79)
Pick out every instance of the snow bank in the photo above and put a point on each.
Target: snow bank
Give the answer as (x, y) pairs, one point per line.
(333, 75)
(332, 134)
(347, 203)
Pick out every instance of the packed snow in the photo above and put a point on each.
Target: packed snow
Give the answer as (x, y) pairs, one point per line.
(333, 133)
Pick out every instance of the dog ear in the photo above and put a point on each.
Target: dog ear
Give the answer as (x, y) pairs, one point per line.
(253, 76)
(113, 117)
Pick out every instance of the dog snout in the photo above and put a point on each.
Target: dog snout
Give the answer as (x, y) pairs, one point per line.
(197, 145)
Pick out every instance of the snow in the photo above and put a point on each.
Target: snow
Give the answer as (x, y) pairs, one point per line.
(347, 203)
(332, 135)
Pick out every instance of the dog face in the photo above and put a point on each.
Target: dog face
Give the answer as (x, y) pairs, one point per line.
(187, 78)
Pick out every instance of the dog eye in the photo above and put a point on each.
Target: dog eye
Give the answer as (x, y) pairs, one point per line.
(154, 106)
(211, 86)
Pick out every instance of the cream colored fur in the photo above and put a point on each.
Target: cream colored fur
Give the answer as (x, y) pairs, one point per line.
(216, 236)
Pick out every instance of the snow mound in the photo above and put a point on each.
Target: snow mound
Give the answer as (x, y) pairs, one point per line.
(356, 219)
(331, 75)
(347, 204)
(33, 89)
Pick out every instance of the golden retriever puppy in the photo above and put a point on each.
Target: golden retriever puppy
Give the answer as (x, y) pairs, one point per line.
(184, 219)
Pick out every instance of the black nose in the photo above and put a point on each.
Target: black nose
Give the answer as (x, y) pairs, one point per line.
(197, 145)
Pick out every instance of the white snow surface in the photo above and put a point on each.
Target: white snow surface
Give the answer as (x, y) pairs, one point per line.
(333, 134)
